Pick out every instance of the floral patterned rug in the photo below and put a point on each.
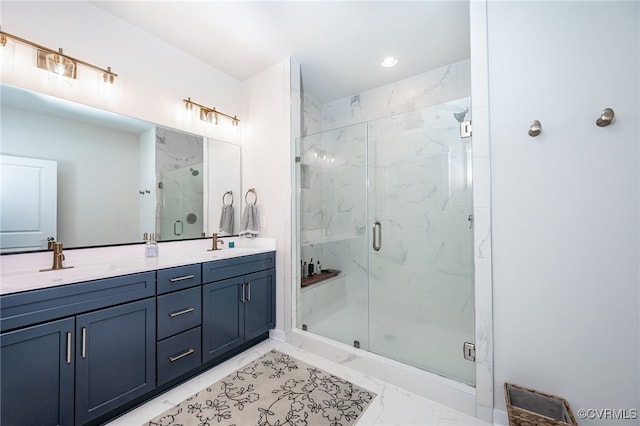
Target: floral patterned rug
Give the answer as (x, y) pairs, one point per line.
(274, 390)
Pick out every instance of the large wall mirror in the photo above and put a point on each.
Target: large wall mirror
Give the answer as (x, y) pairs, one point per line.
(88, 177)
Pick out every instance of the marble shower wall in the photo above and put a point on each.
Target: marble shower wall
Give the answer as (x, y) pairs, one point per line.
(430, 88)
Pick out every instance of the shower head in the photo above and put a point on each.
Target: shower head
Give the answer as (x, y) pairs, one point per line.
(460, 115)
(194, 172)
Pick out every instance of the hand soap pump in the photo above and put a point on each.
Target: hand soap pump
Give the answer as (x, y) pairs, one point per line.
(151, 248)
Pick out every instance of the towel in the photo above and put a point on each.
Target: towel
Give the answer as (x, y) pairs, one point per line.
(226, 219)
(250, 225)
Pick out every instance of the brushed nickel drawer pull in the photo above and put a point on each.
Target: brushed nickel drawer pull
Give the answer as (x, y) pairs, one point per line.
(84, 343)
(184, 311)
(248, 292)
(177, 357)
(242, 299)
(186, 277)
(68, 347)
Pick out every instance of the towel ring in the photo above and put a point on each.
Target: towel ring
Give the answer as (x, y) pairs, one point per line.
(224, 197)
(254, 194)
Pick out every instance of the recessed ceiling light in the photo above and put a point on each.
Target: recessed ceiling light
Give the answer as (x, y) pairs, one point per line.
(389, 61)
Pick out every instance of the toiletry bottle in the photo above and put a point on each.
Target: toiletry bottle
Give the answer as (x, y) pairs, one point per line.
(311, 267)
(318, 268)
(304, 270)
(151, 248)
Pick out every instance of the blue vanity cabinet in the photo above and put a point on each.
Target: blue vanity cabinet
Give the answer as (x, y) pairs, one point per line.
(115, 357)
(72, 353)
(81, 353)
(238, 302)
(38, 374)
(222, 317)
(259, 305)
(179, 318)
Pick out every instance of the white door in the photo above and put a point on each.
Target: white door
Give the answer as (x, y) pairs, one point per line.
(28, 203)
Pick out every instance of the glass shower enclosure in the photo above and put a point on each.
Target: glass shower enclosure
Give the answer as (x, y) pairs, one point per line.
(181, 203)
(385, 207)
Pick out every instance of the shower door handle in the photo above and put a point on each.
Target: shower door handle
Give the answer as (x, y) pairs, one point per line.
(175, 230)
(377, 235)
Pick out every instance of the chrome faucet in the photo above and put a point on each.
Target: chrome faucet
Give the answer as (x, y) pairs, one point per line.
(215, 241)
(58, 257)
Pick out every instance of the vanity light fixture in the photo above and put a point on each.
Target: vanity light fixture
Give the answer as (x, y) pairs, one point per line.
(210, 115)
(58, 62)
(389, 61)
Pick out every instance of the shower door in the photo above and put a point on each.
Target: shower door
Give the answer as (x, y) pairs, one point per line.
(332, 181)
(387, 204)
(421, 305)
(181, 203)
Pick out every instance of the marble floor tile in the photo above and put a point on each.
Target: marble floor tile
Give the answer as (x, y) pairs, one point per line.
(392, 406)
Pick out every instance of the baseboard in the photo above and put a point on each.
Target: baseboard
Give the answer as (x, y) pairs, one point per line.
(500, 418)
(278, 335)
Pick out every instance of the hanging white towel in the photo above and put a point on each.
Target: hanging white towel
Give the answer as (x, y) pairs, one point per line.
(226, 219)
(250, 224)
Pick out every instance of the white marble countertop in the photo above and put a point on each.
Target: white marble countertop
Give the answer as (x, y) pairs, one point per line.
(21, 272)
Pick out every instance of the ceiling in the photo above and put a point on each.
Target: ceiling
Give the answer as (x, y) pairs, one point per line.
(339, 44)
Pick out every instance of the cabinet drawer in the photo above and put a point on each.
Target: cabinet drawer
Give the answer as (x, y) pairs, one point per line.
(31, 307)
(178, 355)
(172, 279)
(179, 311)
(228, 268)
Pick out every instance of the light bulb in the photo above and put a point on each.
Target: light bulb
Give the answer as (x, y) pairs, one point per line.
(389, 61)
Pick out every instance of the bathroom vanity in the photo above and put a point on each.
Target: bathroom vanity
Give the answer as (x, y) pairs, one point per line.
(81, 351)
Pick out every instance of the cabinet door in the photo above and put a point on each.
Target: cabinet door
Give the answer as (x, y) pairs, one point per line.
(115, 357)
(259, 309)
(37, 380)
(222, 317)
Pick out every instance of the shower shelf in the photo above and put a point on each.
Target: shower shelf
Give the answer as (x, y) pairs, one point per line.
(311, 238)
(324, 275)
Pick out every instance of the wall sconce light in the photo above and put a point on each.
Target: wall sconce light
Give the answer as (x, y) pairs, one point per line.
(57, 62)
(210, 115)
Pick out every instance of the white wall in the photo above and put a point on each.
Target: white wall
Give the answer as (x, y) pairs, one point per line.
(565, 204)
(153, 76)
(147, 173)
(88, 179)
(267, 165)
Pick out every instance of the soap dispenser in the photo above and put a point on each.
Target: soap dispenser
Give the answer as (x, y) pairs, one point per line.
(151, 248)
